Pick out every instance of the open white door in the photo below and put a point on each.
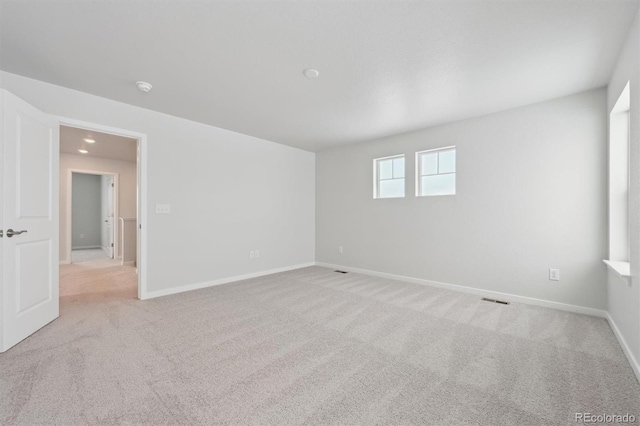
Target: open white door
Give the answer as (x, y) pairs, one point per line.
(29, 220)
(108, 224)
(111, 225)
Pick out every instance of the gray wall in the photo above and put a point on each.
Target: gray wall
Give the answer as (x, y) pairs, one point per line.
(86, 211)
(623, 297)
(531, 195)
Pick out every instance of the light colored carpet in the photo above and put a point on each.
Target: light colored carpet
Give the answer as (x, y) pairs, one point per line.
(311, 347)
(88, 255)
(104, 278)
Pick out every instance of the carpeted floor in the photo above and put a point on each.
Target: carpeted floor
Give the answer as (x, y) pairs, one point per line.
(88, 255)
(309, 346)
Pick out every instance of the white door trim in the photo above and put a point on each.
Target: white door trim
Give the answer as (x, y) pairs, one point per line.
(70, 207)
(141, 202)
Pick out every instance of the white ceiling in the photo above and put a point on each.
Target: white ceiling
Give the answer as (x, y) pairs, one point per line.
(385, 67)
(105, 146)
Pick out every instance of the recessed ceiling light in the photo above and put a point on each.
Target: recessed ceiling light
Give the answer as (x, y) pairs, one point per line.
(87, 140)
(143, 86)
(311, 73)
(83, 151)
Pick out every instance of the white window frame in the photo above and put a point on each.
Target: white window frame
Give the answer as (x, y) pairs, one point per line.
(419, 171)
(619, 184)
(376, 181)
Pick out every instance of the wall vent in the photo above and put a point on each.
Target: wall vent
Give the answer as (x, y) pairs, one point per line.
(502, 302)
(340, 272)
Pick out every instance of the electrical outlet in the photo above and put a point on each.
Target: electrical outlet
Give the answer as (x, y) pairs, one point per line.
(251, 254)
(257, 253)
(554, 274)
(340, 249)
(163, 208)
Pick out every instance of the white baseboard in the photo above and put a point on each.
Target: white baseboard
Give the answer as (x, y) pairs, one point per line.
(64, 262)
(129, 263)
(625, 348)
(196, 286)
(473, 290)
(85, 247)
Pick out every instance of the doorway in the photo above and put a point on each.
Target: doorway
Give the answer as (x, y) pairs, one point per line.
(33, 219)
(101, 167)
(91, 216)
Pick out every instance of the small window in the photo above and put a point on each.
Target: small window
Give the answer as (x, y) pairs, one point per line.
(388, 177)
(436, 172)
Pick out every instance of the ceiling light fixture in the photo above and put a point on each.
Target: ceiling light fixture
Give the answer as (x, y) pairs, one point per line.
(143, 86)
(311, 73)
(87, 140)
(83, 151)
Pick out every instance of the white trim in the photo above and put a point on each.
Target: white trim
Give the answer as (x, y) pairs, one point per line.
(64, 262)
(141, 237)
(197, 286)
(129, 263)
(142, 166)
(472, 290)
(86, 247)
(625, 348)
(622, 269)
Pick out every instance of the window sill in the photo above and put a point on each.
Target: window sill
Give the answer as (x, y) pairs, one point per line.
(622, 269)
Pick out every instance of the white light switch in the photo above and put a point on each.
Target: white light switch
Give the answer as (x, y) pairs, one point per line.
(554, 274)
(163, 208)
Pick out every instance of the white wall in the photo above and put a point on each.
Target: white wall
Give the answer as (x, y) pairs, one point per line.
(86, 217)
(623, 297)
(229, 193)
(127, 183)
(531, 195)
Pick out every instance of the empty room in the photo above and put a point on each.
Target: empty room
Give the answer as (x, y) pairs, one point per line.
(323, 212)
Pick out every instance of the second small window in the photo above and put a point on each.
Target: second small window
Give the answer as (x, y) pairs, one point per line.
(389, 177)
(436, 172)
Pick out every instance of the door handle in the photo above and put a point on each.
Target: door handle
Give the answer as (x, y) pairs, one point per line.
(11, 232)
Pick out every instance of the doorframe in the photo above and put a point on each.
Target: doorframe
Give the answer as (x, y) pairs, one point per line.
(141, 190)
(69, 217)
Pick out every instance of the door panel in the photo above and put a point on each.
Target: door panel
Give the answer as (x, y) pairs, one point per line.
(33, 161)
(34, 285)
(29, 202)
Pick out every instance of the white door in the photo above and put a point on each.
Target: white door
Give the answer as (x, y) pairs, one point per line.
(29, 220)
(109, 221)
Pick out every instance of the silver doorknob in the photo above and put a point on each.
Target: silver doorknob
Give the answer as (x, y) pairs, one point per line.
(11, 232)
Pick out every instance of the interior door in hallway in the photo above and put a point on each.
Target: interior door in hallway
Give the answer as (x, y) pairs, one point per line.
(29, 220)
(109, 222)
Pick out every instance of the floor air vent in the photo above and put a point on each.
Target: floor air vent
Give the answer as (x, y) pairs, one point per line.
(340, 272)
(502, 302)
